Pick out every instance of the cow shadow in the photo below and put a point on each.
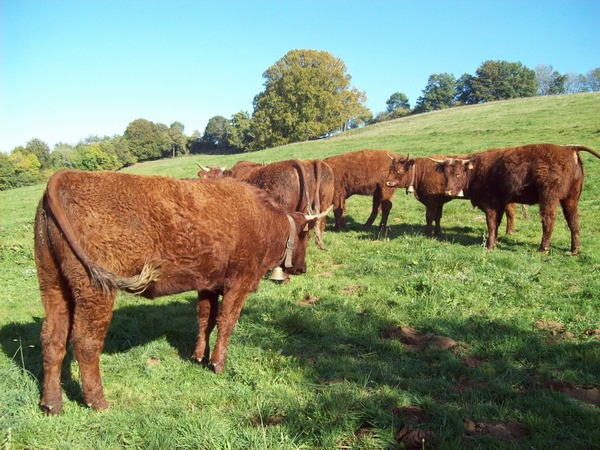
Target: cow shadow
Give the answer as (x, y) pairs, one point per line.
(131, 326)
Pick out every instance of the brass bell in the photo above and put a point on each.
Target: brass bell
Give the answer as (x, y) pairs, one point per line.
(277, 274)
(410, 189)
(460, 194)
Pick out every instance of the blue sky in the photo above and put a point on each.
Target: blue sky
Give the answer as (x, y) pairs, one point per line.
(74, 68)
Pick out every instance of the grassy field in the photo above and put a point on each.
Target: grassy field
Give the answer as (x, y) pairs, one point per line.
(401, 341)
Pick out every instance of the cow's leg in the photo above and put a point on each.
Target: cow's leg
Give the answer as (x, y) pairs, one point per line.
(439, 208)
(55, 329)
(510, 218)
(571, 213)
(229, 313)
(493, 217)
(386, 207)
(430, 212)
(93, 312)
(548, 215)
(375, 209)
(339, 211)
(208, 308)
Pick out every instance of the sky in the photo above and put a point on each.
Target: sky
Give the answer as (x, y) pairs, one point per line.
(71, 69)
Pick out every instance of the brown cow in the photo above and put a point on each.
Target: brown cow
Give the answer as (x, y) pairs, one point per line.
(419, 175)
(538, 173)
(362, 172)
(286, 182)
(153, 236)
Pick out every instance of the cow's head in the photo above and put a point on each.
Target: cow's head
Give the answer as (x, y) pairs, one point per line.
(456, 172)
(210, 172)
(294, 261)
(401, 173)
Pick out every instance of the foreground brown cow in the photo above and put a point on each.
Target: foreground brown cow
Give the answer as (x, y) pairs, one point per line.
(419, 175)
(153, 236)
(539, 173)
(362, 172)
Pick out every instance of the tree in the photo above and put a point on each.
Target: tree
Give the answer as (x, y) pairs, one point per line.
(96, 156)
(62, 156)
(238, 131)
(38, 148)
(177, 140)
(215, 134)
(397, 100)
(593, 79)
(549, 81)
(576, 83)
(438, 94)
(464, 90)
(143, 140)
(26, 168)
(502, 80)
(307, 95)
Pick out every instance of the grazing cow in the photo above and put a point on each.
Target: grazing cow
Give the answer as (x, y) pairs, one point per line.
(152, 236)
(287, 182)
(538, 173)
(362, 172)
(419, 175)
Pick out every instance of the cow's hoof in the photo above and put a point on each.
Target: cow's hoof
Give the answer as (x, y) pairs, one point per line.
(203, 361)
(99, 405)
(216, 368)
(50, 410)
(573, 252)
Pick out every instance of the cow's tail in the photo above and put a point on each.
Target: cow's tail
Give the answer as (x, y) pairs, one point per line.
(101, 276)
(582, 148)
(303, 196)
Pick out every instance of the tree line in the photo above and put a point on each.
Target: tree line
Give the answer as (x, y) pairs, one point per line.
(307, 95)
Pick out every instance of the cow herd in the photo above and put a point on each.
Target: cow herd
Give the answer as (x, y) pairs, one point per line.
(96, 233)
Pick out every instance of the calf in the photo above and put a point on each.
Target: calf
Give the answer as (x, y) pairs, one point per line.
(538, 173)
(362, 172)
(99, 232)
(419, 176)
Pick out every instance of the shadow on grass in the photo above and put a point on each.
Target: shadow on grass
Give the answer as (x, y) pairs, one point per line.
(343, 350)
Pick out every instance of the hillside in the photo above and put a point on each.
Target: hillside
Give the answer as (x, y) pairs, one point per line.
(566, 119)
(387, 342)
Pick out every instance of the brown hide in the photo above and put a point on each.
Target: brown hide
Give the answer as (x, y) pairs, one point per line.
(319, 187)
(428, 185)
(362, 172)
(283, 181)
(547, 174)
(102, 231)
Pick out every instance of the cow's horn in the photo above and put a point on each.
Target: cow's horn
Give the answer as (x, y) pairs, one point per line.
(436, 160)
(206, 169)
(318, 216)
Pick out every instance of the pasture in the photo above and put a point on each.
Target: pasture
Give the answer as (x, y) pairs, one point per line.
(387, 342)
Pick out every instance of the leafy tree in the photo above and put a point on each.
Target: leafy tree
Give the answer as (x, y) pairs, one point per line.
(502, 80)
(143, 140)
(62, 156)
(8, 178)
(215, 134)
(177, 140)
(549, 81)
(397, 100)
(307, 95)
(26, 168)
(438, 94)
(238, 131)
(464, 90)
(576, 83)
(593, 79)
(38, 148)
(96, 156)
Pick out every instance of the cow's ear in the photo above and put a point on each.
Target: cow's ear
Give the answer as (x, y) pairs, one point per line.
(439, 168)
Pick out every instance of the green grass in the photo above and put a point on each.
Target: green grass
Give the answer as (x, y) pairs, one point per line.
(309, 366)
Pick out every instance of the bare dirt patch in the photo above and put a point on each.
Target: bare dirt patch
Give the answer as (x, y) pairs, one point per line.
(511, 432)
(587, 395)
(415, 438)
(415, 340)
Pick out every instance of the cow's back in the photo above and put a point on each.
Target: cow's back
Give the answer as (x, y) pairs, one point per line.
(123, 222)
